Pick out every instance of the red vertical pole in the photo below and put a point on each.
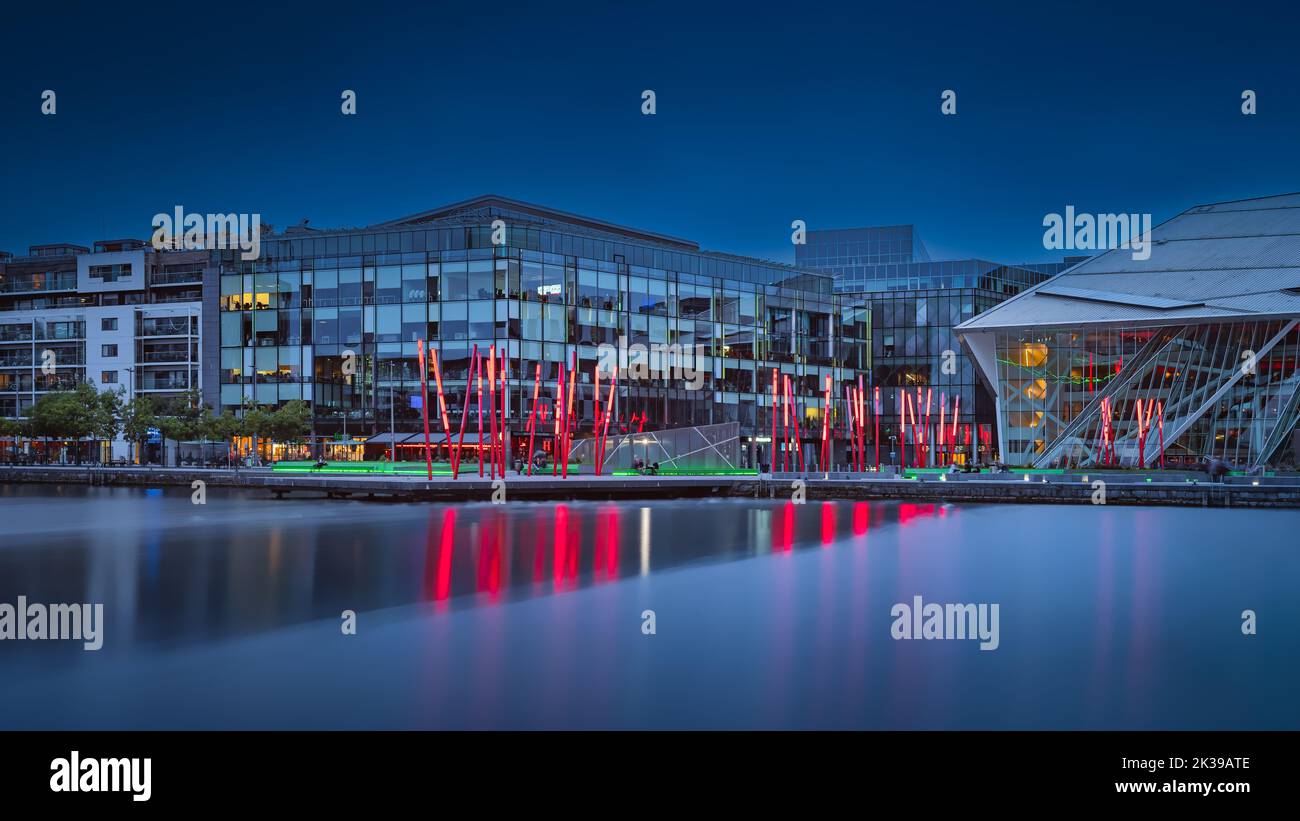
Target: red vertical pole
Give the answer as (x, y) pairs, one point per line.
(861, 398)
(826, 422)
(492, 411)
(568, 412)
(956, 409)
(929, 393)
(876, 416)
(442, 404)
(596, 418)
(609, 410)
(943, 423)
(464, 415)
(794, 418)
(532, 419)
(478, 375)
(785, 422)
(504, 437)
(424, 411)
(850, 432)
(559, 420)
(902, 427)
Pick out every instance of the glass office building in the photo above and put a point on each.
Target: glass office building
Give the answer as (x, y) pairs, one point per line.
(335, 318)
(915, 303)
(1191, 354)
(852, 255)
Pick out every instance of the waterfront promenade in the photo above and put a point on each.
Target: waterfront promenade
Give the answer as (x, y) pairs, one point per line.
(1176, 488)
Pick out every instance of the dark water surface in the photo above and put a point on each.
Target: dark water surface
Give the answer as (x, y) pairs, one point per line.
(767, 614)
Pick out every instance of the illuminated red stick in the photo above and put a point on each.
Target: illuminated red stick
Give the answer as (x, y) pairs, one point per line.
(492, 412)
(956, 408)
(598, 425)
(505, 412)
(861, 398)
(532, 417)
(794, 417)
(609, 411)
(424, 410)
(826, 421)
(559, 418)
(902, 427)
(848, 427)
(926, 428)
(785, 422)
(442, 401)
(775, 404)
(464, 415)
(568, 413)
(478, 375)
(943, 411)
(875, 415)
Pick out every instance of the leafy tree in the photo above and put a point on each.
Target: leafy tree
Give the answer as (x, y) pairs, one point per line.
(138, 416)
(291, 422)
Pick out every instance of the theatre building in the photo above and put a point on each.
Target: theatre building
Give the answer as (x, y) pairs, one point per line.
(1188, 355)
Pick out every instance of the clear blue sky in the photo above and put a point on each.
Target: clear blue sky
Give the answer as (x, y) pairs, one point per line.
(766, 113)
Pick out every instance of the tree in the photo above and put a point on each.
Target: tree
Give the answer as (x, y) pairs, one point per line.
(291, 422)
(62, 415)
(105, 416)
(256, 423)
(181, 418)
(138, 416)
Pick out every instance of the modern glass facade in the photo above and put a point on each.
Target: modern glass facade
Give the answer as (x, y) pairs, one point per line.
(914, 307)
(1188, 353)
(1225, 390)
(335, 318)
(853, 255)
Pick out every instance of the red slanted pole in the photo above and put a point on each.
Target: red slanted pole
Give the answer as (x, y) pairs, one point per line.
(502, 440)
(861, 398)
(785, 423)
(875, 407)
(532, 418)
(929, 450)
(568, 413)
(478, 375)
(794, 421)
(826, 422)
(956, 408)
(595, 418)
(464, 415)
(850, 433)
(609, 410)
(943, 423)
(424, 411)
(559, 420)
(775, 405)
(492, 411)
(442, 401)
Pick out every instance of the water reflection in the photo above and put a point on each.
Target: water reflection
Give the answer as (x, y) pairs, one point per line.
(170, 571)
(770, 614)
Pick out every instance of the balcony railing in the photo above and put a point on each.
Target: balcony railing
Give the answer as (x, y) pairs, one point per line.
(175, 277)
(26, 286)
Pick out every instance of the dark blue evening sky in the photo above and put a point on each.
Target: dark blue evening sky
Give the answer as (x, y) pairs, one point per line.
(766, 113)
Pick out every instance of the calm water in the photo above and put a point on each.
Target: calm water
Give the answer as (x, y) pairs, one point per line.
(767, 614)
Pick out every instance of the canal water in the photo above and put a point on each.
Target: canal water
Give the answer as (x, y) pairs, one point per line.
(539, 615)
